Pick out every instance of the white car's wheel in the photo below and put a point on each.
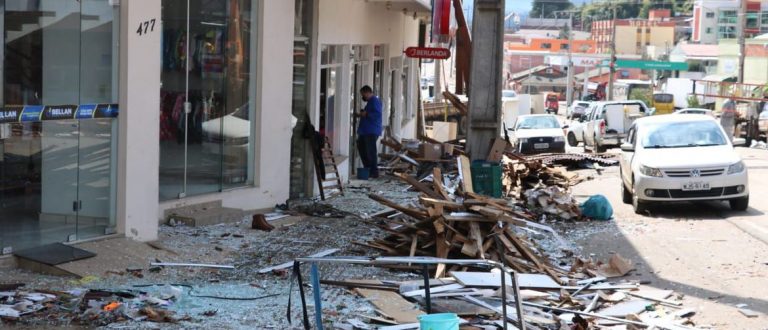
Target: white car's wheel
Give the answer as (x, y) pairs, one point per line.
(572, 140)
(626, 195)
(739, 204)
(640, 206)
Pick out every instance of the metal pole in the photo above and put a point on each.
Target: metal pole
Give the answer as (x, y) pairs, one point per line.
(187, 109)
(314, 273)
(486, 79)
(427, 295)
(518, 301)
(742, 16)
(612, 69)
(504, 301)
(569, 88)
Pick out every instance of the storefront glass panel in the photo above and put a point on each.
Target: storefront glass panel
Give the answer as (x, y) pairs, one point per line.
(56, 176)
(206, 132)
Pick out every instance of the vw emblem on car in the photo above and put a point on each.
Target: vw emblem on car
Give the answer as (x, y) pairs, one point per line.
(695, 173)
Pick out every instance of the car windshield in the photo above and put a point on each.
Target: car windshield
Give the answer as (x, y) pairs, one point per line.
(663, 98)
(683, 135)
(538, 122)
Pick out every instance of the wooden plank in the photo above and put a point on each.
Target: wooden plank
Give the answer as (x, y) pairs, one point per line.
(437, 183)
(378, 247)
(464, 216)
(530, 256)
(488, 212)
(392, 304)
(477, 238)
(418, 185)
(442, 252)
(466, 174)
(414, 244)
(497, 150)
(418, 214)
(360, 284)
(444, 203)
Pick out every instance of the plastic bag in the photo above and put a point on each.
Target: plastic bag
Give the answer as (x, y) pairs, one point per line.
(597, 207)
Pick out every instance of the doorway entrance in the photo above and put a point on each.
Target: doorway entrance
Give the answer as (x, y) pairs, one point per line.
(58, 134)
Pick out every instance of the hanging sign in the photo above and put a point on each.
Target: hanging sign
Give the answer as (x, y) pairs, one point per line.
(427, 52)
(36, 113)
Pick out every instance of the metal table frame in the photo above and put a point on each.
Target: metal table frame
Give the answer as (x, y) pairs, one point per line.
(424, 262)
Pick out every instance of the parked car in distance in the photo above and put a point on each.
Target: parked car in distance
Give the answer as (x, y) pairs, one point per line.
(695, 111)
(607, 123)
(681, 159)
(577, 109)
(763, 122)
(534, 134)
(552, 103)
(664, 103)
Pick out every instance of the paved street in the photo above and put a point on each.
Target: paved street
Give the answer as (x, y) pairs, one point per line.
(715, 257)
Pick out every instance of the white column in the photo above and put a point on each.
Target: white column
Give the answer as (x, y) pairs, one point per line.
(274, 97)
(138, 144)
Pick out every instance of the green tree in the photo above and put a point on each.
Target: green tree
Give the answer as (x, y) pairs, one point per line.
(645, 8)
(547, 8)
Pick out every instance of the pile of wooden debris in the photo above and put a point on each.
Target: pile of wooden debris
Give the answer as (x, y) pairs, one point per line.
(556, 294)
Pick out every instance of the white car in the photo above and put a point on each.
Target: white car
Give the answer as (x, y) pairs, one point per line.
(680, 159)
(695, 111)
(577, 109)
(532, 134)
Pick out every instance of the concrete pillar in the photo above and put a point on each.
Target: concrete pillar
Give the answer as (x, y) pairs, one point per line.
(485, 77)
(138, 144)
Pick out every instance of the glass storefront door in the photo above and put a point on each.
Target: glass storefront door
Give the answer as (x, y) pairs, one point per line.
(206, 131)
(57, 126)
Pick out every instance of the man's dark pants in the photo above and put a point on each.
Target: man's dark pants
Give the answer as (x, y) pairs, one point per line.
(366, 145)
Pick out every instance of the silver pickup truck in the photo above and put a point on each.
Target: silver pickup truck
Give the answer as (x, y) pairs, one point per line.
(607, 123)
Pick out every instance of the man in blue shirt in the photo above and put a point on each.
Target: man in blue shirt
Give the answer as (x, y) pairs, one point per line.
(369, 130)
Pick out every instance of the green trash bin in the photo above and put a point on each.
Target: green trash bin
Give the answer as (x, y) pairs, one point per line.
(486, 178)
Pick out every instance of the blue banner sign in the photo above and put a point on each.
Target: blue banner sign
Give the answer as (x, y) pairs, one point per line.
(36, 113)
(10, 114)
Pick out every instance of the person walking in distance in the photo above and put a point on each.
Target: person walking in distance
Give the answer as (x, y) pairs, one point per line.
(369, 130)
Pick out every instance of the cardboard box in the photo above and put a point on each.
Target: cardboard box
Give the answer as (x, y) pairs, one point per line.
(431, 151)
(444, 131)
(448, 149)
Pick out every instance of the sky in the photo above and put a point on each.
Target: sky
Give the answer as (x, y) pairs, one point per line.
(521, 7)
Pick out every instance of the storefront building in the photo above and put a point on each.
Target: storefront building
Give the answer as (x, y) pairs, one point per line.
(116, 111)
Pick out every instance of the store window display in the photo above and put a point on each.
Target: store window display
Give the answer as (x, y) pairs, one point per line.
(206, 131)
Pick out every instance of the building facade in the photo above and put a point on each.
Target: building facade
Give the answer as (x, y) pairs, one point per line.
(633, 35)
(718, 19)
(118, 112)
